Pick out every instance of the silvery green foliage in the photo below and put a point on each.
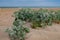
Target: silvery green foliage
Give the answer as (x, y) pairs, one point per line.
(58, 15)
(18, 22)
(41, 17)
(24, 14)
(18, 31)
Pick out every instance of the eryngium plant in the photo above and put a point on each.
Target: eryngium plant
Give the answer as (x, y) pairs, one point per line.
(18, 31)
(41, 17)
(24, 14)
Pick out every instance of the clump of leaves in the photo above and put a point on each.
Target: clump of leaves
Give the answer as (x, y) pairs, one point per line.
(57, 18)
(24, 14)
(41, 17)
(36, 24)
(18, 31)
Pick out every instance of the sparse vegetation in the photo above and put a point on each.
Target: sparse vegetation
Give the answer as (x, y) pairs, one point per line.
(39, 18)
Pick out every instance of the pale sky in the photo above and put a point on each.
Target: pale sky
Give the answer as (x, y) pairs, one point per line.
(18, 3)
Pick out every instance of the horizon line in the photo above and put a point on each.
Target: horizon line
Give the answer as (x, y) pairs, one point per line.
(30, 7)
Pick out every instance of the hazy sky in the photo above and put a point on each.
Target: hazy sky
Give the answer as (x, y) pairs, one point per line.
(13, 3)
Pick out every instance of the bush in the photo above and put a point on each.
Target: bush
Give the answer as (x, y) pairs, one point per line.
(18, 31)
(41, 17)
(24, 14)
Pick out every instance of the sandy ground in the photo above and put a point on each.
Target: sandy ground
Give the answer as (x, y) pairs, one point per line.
(6, 20)
(49, 33)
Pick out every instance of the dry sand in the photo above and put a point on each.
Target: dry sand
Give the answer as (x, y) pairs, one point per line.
(6, 20)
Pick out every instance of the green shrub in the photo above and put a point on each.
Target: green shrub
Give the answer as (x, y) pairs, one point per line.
(24, 14)
(18, 31)
(41, 17)
(58, 15)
